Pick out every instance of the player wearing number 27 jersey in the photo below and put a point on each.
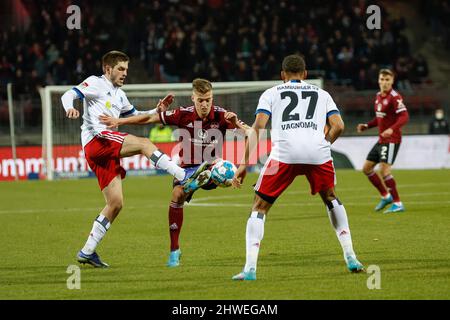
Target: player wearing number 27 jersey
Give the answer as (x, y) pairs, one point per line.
(299, 114)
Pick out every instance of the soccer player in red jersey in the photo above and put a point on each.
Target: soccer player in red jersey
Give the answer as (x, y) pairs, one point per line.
(391, 116)
(204, 126)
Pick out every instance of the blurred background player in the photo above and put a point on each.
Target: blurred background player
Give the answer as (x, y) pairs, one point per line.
(439, 124)
(390, 116)
(299, 113)
(103, 148)
(161, 133)
(203, 117)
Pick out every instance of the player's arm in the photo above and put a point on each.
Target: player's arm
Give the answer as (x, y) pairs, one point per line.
(163, 105)
(67, 101)
(336, 127)
(401, 119)
(235, 123)
(251, 141)
(87, 89)
(364, 126)
(111, 122)
(138, 117)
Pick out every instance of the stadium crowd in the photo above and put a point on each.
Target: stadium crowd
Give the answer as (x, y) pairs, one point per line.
(437, 13)
(217, 39)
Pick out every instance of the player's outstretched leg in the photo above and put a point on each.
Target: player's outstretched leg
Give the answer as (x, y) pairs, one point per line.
(339, 221)
(196, 177)
(133, 145)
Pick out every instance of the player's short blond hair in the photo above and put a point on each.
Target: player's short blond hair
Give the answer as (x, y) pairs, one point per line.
(386, 72)
(112, 58)
(201, 85)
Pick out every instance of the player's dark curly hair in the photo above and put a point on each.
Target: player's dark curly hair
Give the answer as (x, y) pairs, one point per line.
(293, 63)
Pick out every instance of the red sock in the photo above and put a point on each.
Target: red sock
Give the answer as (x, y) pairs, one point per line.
(376, 181)
(175, 223)
(390, 183)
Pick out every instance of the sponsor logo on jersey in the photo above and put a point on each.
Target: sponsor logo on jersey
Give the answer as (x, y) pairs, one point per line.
(202, 134)
(385, 102)
(108, 105)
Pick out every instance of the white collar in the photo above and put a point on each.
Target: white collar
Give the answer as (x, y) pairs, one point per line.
(109, 83)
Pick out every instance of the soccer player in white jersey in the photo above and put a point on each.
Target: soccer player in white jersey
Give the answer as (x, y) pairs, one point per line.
(103, 147)
(305, 122)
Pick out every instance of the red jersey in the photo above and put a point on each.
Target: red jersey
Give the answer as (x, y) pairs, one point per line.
(390, 113)
(201, 139)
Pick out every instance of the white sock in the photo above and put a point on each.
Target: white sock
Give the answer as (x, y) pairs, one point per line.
(339, 221)
(162, 161)
(101, 225)
(253, 237)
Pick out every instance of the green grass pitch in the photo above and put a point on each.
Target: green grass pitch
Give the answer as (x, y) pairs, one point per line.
(44, 224)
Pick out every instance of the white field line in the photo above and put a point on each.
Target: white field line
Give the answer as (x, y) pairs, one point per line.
(205, 202)
(97, 209)
(248, 205)
(418, 194)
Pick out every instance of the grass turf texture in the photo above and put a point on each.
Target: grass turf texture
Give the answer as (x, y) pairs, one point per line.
(44, 224)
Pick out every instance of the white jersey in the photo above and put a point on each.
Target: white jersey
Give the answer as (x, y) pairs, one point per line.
(299, 113)
(100, 97)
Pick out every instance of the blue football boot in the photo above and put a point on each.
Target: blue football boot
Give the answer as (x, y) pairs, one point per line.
(396, 207)
(92, 259)
(354, 265)
(174, 258)
(249, 275)
(190, 183)
(383, 203)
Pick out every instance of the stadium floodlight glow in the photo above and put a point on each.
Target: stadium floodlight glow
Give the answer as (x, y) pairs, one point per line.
(58, 131)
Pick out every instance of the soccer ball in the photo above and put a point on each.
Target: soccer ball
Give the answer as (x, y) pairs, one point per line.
(222, 173)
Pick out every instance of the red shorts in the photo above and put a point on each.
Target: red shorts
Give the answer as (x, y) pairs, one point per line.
(277, 176)
(103, 156)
